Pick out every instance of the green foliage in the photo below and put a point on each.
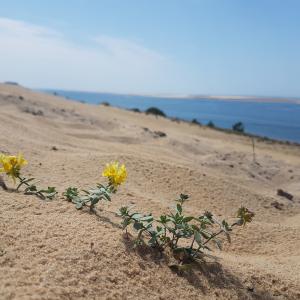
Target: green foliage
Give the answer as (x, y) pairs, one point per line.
(143, 224)
(155, 111)
(32, 189)
(195, 121)
(135, 110)
(245, 215)
(90, 197)
(71, 193)
(211, 124)
(239, 127)
(116, 174)
(187, 236)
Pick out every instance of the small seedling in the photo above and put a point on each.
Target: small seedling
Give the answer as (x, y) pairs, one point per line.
(116, 175)
(12, 165)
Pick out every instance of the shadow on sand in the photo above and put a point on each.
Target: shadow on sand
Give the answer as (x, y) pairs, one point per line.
(204, 275)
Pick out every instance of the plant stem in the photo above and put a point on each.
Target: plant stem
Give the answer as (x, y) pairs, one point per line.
(192, 243)
(2, 184)
(22, 181)
(92, 207)
(212, 236)
(216, 234)
(37, 193)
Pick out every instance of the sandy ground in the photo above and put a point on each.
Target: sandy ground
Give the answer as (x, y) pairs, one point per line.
(45, 247)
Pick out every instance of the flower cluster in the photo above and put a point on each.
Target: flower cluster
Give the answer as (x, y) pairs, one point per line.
(11, 165)
(116, 175)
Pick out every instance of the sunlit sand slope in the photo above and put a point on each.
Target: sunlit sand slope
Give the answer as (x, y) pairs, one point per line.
(45, 247)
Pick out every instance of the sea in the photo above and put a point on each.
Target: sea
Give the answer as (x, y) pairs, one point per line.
(276, 120)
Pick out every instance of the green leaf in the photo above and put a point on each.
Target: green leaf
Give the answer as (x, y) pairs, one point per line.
(51, 195)
(195, 228)
(198, 238)
(123, 211)
(137, 225)
(50, 190)
(207, 248)
(136, 216)
(27, 180)
(70, 193)
(94, 200)
(147, 218)
(244, 215)
(163, 219)
(228, 237)
(179, 208)
(225, 226)
(79, 205)
(187, 219)
(218, 243)
(76, 200)
(126, 222)
(31, 188)
(184, 197)
(206, 235)
(148, 226)
(208, 215)
(106, 196)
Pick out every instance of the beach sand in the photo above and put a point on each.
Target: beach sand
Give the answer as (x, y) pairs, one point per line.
(50, 250)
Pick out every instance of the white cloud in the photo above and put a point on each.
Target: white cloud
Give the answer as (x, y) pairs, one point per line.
(36, 56)
(19, 28)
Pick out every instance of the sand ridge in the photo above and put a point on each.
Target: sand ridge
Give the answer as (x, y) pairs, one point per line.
(45, 247)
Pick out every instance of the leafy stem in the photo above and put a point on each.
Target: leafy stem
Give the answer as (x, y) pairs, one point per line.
(91, 197)
(31, 189)
(177, 227)
(23, 181)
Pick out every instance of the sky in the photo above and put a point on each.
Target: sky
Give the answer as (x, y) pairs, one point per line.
(214, 47)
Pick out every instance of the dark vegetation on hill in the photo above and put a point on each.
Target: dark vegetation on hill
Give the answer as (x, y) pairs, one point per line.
(237, 128)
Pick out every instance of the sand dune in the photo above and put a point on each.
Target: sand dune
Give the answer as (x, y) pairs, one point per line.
(45, 247)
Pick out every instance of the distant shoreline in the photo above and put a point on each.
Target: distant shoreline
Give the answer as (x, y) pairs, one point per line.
(257, 99)
(231, 98)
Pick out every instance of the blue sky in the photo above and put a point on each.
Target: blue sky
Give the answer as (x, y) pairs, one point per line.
(217, 47)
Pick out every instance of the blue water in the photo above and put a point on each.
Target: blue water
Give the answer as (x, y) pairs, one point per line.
(274, 120)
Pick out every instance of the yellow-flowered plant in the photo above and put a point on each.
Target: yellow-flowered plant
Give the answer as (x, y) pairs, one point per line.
(11, 165)
(116, 175)
(187, 236)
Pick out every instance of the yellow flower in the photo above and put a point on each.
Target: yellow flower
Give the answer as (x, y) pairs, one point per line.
(115, 173)
(11, 165)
